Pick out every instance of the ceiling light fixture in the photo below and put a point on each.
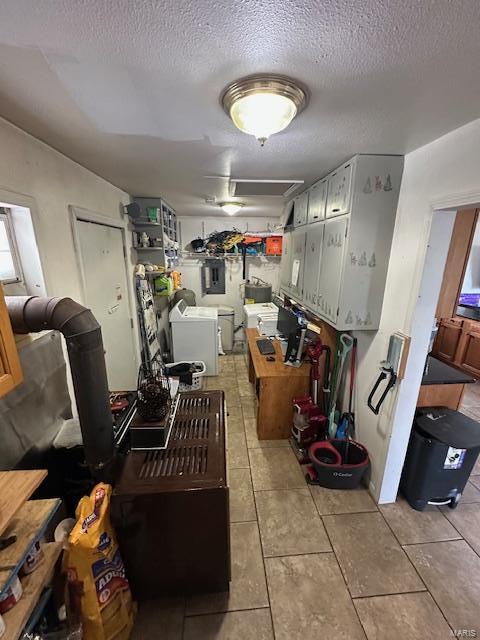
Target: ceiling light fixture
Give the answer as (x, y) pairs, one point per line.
(231, 207)
(262, 105)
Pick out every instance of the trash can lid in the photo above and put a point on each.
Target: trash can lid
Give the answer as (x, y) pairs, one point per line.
(450, 427)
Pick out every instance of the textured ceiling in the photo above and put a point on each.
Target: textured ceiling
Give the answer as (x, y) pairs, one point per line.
(130, 89)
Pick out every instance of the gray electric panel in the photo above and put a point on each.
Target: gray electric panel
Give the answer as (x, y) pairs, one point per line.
(213, 276)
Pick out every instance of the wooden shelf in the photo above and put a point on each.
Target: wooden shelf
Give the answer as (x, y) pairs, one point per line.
(33, 584)
(28, 525)
(148, 248)
(16, 487)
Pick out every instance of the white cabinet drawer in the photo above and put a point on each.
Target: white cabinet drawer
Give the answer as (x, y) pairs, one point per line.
(300, 209)
(339, 190)
(317, 201)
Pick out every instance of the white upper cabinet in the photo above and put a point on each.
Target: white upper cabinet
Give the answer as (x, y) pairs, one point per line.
(317, 200)
(330, 280)
(297, 250)
(341, 275)
(313, 258)
(339, 191)
(286, 264)
(300, 209)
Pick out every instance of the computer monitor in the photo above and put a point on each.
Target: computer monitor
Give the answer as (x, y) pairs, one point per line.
(287, 322)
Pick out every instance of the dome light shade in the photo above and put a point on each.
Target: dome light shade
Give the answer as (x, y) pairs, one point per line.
(263, 105)
(231, 207)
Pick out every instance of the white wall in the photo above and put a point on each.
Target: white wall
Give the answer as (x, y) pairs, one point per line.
(36, 176)
(267, 269)
(440, 176)
(53, 181)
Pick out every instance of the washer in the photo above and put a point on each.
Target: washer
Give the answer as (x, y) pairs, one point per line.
(195, 335)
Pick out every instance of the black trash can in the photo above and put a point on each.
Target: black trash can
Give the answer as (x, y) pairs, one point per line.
(444, 446)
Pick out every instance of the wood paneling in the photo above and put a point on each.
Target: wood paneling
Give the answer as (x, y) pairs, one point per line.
(457, 259)
(448, 339)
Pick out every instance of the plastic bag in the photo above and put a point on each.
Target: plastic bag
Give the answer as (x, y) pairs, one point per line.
(96, 574)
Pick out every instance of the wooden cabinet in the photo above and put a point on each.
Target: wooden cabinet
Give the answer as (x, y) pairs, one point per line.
(317, 201)
(469, 349)
(448, 339)
(10, 369)
(458, 342)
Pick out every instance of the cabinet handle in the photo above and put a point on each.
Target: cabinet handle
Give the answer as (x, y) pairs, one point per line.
(335, 210)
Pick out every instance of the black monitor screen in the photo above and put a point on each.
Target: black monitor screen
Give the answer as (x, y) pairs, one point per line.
(287, 322)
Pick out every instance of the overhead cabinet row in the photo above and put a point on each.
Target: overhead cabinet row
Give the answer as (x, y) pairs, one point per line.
(335, 262)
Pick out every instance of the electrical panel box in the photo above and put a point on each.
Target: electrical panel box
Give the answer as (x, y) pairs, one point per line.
(213, 276)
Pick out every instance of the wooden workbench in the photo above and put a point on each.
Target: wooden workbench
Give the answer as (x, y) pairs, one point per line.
(275, 386)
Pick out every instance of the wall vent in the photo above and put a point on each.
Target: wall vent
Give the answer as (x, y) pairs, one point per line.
(244, 187)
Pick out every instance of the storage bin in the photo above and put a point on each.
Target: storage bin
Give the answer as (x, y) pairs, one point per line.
(200, 370)
(274, 246)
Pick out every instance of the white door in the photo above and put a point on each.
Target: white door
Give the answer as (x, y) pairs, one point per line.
(106, 294)
(334, 242)
(313, 258)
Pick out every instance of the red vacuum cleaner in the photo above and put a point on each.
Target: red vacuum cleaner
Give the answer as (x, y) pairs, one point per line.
(309, 420)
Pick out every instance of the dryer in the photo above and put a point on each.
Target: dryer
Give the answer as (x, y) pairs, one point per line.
(195, 335)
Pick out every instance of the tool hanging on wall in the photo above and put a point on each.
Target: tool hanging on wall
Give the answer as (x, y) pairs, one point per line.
(344, 346)
(391, 369)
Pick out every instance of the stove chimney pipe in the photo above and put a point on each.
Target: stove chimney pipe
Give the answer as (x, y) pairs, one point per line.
(83, 335)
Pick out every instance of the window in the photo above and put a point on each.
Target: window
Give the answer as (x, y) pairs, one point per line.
(10, 269)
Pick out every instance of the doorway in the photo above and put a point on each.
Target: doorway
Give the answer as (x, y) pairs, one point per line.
(101, 253)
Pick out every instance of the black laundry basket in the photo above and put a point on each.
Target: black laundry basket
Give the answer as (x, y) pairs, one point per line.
(443, 448)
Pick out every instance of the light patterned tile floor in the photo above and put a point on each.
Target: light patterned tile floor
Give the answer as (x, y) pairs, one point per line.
(292, 582)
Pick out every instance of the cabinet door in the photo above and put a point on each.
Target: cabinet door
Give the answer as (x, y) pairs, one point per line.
(10, 370)
(298, 263)
(339, 188)
(286, 262)
(470, 353)
(333, 250)
(301, 209)
(448, 339)
(313, 255)
(317, 201)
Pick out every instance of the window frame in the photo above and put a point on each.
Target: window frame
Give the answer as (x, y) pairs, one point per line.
(6, 218)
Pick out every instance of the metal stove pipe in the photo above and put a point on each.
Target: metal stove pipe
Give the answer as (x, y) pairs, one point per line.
(83, 335)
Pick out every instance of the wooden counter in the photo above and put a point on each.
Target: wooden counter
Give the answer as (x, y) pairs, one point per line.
(442, 385)
(276, 384)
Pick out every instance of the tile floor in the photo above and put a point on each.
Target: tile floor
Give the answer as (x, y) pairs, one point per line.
(310, 563)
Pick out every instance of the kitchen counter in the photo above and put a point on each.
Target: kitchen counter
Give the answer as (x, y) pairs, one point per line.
(441, 373)
(443, 385)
